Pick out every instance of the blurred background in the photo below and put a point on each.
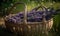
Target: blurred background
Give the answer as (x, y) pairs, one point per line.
(5, 6)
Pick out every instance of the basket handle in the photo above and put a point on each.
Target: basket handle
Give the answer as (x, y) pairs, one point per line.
(17, 3)
(36, 8)
(25, 10)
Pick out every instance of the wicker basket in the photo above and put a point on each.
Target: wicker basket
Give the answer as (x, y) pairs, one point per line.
(29, 28)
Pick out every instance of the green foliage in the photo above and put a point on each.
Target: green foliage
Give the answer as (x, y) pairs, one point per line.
(6, 4)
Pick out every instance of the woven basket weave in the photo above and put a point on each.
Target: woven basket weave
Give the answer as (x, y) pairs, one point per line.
(29, 28)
